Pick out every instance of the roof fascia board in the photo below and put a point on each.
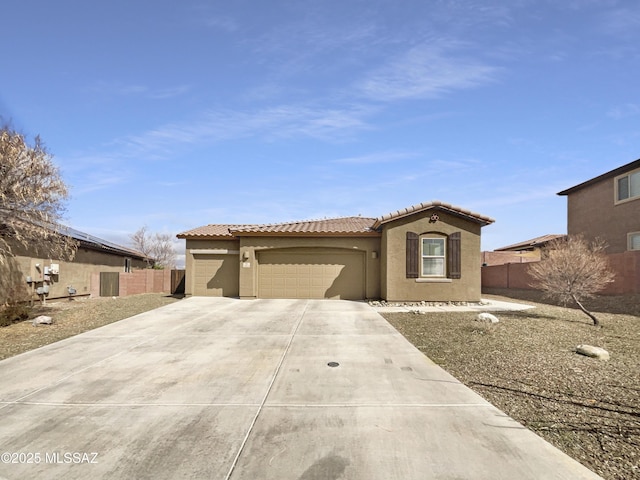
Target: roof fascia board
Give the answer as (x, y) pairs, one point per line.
(437, 207)
(605, 176)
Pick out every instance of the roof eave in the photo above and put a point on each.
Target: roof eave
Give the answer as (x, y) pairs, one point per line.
(204, 236)
(306, 234)
(605, 176)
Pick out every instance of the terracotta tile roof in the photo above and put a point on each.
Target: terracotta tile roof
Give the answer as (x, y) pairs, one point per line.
(534, 242)
(435, 205)
(349, 226)
(329, 226)
(337, 226)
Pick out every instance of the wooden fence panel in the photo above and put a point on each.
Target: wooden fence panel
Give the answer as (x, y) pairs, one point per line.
(177, 282)
(109, 284)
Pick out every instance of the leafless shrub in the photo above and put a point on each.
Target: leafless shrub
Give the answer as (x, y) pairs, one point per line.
(572, 270)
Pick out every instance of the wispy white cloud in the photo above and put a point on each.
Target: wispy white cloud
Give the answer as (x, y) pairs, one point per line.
(121, 89)
(622, 22)
(271, 124)
(95, 181)
(378, 157)
(221, 22)
(624, 111)
(426, 71)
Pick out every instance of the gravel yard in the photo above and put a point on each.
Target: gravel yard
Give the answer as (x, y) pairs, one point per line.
(526, 365)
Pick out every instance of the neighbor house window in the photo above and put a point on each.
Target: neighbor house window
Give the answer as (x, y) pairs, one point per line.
(433, 257)
(634, 241)
(127, 265)
(628, 186)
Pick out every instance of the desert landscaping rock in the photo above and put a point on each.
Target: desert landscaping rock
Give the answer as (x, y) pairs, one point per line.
(593, 352)
(42, 320)
(487, 318)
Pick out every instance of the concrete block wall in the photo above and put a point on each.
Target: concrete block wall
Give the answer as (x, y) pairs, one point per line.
(145, 281)
(626, 267)
(136, 282)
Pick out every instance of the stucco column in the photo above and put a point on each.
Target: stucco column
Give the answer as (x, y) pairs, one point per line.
(248, 272)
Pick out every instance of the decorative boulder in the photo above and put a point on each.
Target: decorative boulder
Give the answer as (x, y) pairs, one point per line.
(593, 352)
(487, 317)
(42, 320)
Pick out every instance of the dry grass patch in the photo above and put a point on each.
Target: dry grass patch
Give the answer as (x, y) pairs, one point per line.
(526, 365)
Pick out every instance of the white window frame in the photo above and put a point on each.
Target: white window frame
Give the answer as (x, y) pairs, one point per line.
(127, 265)
(630, 198)
(630, 238)
(443, 256)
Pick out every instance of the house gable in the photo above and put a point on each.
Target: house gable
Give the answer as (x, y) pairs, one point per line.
(404, 236)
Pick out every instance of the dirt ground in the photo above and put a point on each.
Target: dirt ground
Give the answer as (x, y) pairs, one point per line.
(526, 364)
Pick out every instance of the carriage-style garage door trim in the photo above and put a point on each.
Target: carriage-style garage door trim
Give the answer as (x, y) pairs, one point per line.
(311, 273)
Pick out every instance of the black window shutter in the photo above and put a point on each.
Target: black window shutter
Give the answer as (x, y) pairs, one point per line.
(454, 255)
(413, 255)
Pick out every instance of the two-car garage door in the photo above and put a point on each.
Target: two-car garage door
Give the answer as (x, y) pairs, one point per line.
(285, 273)
(311, 273)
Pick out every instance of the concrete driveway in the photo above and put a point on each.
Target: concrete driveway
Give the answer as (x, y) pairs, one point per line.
(218, 388)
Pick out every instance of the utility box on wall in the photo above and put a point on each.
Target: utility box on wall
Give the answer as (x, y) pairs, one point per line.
(37, 270)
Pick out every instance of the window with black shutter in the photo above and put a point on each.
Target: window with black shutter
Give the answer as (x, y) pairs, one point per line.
(454, 258)
(413, 254)
(427, 260)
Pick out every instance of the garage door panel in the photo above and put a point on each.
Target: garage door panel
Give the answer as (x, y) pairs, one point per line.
(302, 273)
(216, 275)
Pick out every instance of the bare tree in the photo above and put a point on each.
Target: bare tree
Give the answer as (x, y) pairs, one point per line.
(141, 241)
(157, 247)
(32, 199)
(571, 270)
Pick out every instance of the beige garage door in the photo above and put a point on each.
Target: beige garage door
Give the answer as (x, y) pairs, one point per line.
(216, 275)
(311, 273)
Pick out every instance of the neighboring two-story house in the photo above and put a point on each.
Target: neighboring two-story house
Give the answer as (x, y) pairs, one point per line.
(607, 207)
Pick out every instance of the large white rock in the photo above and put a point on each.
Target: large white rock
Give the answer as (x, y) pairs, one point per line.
(487, 317)
(42, 320)
(593, 352)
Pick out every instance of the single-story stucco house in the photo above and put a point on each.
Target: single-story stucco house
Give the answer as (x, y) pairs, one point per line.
(34, 267)
(429, 251)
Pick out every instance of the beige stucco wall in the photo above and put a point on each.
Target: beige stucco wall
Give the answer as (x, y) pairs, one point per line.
(76, 273)
(592, 211)
(249, 246)
(394, 284)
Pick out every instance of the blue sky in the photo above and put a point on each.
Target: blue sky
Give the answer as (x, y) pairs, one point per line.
(178, 114)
